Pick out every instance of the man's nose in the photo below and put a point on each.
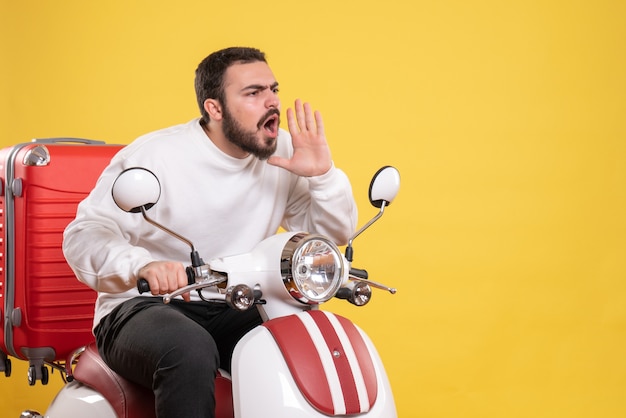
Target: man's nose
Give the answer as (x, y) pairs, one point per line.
(272, 100)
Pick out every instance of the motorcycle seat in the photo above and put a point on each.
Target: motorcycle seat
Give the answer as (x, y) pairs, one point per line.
(131, 400)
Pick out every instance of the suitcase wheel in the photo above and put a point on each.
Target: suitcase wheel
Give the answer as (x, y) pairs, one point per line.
(33, 376)
(7, 367)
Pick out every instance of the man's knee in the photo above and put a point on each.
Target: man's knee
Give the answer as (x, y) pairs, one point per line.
(197, 355)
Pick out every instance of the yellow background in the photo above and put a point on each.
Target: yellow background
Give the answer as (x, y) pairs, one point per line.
(506, 119)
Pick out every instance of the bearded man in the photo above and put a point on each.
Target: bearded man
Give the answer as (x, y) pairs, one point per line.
(229, 179)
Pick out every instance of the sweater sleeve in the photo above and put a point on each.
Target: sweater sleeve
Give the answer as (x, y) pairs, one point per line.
(100, 224)
(323, 204)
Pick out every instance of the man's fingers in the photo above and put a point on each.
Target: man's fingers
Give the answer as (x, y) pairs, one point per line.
(302, 118)
(308, 118)
(319, 123)
(164, 276)
(182, 282)
(291, 122)
(300, 115)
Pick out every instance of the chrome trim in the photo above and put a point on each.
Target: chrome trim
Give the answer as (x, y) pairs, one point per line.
(37, 156)
(286, 266)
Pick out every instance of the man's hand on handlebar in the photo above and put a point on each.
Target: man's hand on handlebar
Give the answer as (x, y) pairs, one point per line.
(165, 277)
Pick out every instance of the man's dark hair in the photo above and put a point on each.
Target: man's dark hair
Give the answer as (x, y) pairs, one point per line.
(209, 80)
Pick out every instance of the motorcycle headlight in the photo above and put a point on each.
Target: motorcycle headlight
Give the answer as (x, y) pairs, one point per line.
(312, 268)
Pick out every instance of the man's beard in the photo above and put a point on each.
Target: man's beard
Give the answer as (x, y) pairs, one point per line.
(247, 140)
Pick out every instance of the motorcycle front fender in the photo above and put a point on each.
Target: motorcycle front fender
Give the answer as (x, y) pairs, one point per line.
(76, 400)
(265, 383)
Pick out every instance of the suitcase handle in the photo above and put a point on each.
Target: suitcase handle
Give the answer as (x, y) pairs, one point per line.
(60, 139)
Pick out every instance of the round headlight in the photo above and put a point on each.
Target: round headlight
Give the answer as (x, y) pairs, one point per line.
(312, 268)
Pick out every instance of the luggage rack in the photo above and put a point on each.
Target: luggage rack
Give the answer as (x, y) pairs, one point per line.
(38, 368)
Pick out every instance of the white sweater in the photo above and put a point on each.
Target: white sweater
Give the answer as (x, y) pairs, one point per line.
(224, 205)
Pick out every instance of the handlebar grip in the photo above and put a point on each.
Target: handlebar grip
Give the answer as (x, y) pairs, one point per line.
(143, 286)
(344, 293)
(360, 273)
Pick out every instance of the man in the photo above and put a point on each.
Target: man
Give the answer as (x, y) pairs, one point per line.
(229, 180)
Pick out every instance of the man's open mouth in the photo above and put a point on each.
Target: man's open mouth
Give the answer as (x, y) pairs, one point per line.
(270, 124)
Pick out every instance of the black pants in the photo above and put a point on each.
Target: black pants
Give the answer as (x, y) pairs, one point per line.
(173, 349)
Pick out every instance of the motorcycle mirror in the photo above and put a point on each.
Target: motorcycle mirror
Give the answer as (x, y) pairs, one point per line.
(136, 188)
(384, 186)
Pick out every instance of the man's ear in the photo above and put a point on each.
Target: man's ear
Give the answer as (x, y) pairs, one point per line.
(213, 108)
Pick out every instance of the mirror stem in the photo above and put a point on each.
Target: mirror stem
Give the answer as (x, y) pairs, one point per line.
(196, 261)
(349, 250)
(164, 229)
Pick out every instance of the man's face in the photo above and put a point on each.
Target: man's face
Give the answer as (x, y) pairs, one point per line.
(251, 109)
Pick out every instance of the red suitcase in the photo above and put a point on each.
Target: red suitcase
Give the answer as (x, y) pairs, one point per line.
(47, 313)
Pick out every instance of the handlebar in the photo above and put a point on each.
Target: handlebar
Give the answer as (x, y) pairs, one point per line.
(144, 287)
(358, 273)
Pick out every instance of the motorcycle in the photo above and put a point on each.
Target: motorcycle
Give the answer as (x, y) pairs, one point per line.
(301, 362)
